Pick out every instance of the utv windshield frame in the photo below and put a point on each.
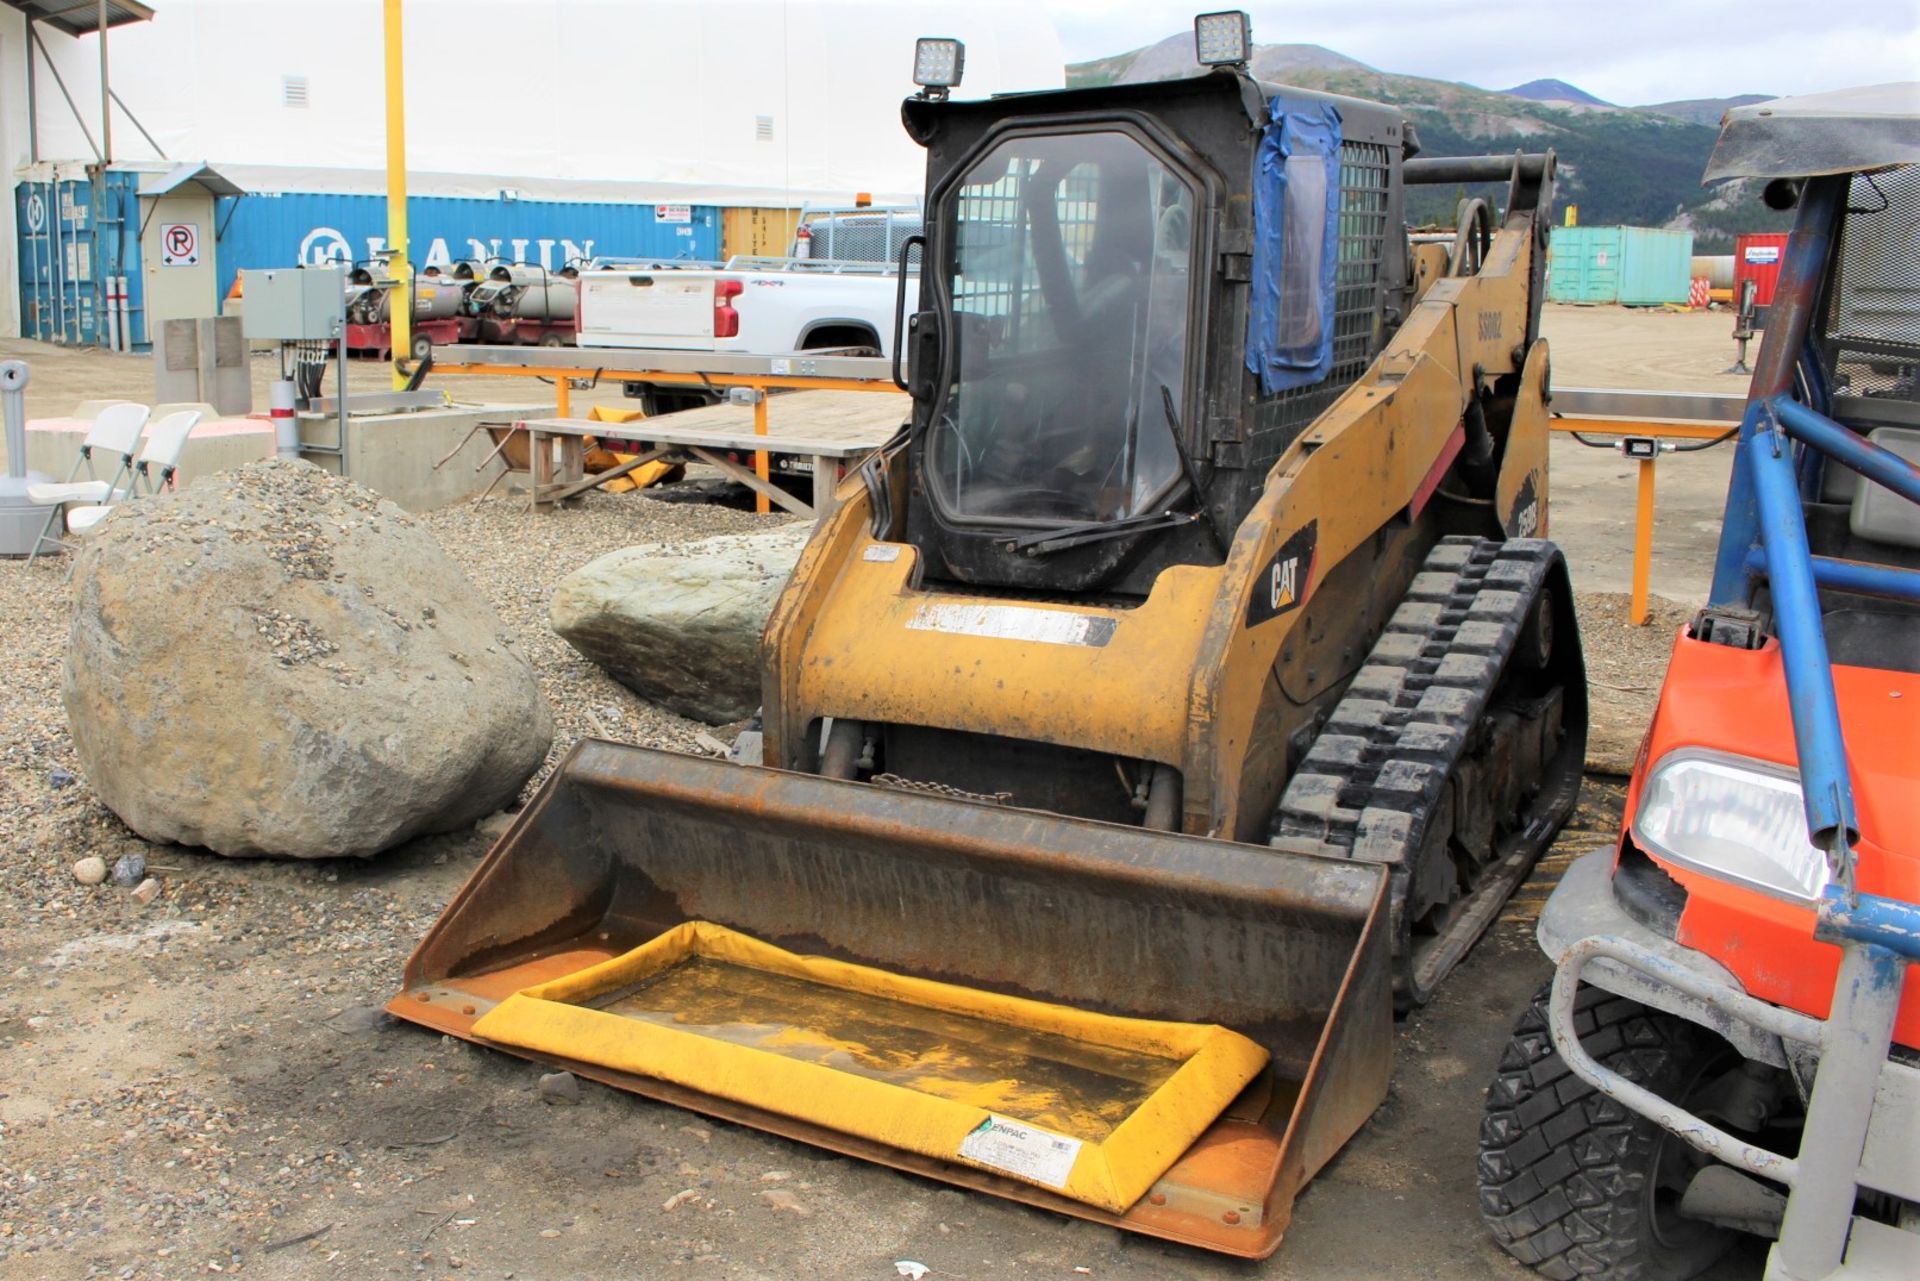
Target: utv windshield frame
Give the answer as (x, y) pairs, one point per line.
(1200, 187)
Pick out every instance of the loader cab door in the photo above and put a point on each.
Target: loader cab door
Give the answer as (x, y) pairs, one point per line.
(1066, 280)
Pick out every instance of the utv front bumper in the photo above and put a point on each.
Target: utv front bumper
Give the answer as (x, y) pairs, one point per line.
(1863, 1108)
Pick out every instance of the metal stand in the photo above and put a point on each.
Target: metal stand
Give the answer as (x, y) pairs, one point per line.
(21, 519)
(1744, 329)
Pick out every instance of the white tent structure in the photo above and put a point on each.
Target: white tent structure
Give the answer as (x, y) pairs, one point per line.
(716, 102)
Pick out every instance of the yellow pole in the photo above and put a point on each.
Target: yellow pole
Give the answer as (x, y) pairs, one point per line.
(400, 313)
(1642, 545)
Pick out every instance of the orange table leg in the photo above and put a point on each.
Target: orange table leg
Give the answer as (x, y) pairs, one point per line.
(1642, 545)
(760, 501)
(562, 396)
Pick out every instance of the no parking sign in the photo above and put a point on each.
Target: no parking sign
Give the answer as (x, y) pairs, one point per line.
(179, 244)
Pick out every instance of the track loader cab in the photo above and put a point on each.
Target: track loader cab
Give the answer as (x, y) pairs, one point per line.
(1084, 412)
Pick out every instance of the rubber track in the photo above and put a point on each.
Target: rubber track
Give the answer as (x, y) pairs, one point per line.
(1375, 773)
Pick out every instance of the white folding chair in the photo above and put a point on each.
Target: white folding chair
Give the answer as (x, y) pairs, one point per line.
(115, 435)
(159, 459)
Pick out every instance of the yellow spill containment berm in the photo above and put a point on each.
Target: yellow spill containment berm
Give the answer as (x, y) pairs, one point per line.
(1093, 1106)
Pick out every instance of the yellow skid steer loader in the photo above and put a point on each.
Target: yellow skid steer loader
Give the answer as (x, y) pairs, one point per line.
(1183, 689)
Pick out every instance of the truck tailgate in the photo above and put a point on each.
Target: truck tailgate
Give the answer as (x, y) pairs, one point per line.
(646, 308)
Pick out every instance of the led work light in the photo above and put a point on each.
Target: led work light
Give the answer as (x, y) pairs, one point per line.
(1223, 39)
(938, 63)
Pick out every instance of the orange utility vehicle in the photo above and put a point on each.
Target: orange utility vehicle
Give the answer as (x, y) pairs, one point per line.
(1726, 1046)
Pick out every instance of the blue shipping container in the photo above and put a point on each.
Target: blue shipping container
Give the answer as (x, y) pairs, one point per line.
(78, 244)
(1633, 266)
(79, 241)
(309, 229)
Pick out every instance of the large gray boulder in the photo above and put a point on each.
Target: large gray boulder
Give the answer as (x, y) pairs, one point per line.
(679, 623)
(278, 662)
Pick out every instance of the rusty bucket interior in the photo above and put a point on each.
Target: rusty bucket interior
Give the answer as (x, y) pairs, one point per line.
(624, 847)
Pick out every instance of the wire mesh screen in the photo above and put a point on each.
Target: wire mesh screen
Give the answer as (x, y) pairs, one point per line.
(995, 275)
(993, 272)
(874, 237)
(1362, 227)
(1873, 318)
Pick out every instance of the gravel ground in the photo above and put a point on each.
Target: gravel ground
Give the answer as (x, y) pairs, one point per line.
(1625, 666)
(188, 1085)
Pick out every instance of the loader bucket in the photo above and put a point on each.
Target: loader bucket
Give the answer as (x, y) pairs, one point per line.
(1162, 1032)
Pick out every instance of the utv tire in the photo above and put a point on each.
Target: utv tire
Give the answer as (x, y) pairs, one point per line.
(1574, 1184)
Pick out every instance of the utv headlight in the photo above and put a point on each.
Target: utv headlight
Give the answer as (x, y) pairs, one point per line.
(1738, 819)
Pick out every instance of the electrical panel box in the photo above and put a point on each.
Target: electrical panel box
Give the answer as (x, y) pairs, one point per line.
(294, 304)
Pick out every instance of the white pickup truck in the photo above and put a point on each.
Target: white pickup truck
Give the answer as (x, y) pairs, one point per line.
(837, 291)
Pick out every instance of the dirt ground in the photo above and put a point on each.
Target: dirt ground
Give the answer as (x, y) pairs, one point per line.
(204, 1086)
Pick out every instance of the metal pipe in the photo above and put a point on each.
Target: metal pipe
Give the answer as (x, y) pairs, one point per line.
(13, 404)
(1532, 166)
(1871, 919)
(1825, 785)
(33, 102)
(1872, 461)
(1823, 203)
(402, 305)
(1819, 1215)
(120, 102)
(106, 100)
(1855, 576)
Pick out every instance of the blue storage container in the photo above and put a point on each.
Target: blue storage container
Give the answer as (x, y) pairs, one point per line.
(1633, 266)
(79, 246)
(309, 229)
(79, 242)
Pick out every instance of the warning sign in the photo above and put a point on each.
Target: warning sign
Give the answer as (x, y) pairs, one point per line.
(179, 244)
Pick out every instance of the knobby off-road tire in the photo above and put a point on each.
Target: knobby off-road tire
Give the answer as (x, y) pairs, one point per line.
(1571, 1181)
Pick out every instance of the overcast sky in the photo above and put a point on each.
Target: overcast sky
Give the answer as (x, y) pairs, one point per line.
(1625, 51)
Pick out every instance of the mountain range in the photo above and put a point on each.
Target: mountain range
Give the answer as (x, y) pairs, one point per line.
(1635, 165)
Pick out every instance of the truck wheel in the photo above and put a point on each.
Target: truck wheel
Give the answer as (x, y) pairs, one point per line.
(422, 346)
(1572, 1183)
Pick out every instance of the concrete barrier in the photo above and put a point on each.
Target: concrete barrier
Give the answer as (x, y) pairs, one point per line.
(391, 454)
(395, 454)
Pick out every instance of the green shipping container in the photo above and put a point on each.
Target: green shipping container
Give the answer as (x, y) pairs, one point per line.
(1633, 266)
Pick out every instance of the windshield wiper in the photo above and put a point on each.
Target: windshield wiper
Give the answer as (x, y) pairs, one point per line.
(1057, 540)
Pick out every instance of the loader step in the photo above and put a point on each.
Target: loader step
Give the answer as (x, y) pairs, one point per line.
(1456, 753)
(1093, 1106)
